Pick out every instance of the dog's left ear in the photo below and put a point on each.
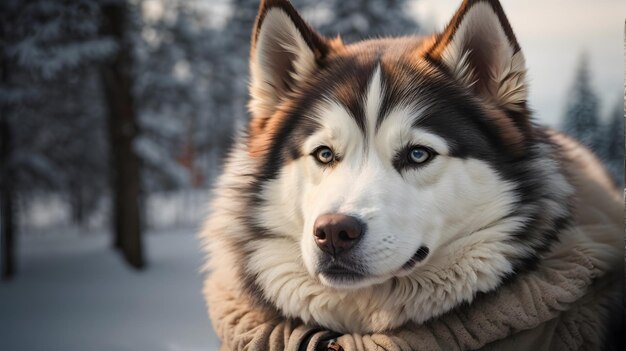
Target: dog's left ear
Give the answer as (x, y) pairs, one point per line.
(285, 51)
(479, 48)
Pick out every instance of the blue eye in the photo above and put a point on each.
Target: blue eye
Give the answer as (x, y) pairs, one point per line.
(324, 155)
(419, 154)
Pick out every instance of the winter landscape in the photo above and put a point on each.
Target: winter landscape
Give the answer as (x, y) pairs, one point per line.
(115, 116)
(74, 293)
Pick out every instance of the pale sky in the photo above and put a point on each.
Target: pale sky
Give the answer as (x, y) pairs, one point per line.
(553, 34)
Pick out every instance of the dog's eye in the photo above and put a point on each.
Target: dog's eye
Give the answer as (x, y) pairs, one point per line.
(419, 154)
(324, 155)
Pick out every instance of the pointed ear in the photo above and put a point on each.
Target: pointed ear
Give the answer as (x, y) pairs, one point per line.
(285, 51)
(479, 48)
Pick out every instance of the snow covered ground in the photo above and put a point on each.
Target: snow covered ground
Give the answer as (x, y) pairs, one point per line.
(73, 292)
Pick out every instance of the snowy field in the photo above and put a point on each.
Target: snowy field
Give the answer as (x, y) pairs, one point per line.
(73, 293)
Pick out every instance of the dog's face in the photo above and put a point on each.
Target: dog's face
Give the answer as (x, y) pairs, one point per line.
(377, 154)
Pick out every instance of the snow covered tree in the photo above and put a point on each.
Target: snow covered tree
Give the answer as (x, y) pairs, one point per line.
(231, 62)
(360, 19)
(55, 101)
(581, 118)
(611, 142)
(176, 111)
(46, 48)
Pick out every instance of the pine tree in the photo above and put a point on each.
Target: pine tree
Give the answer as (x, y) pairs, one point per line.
(185, 94)
(611, 142)
(171, 91)
(231, 66)
(361, 19)
(581, 119)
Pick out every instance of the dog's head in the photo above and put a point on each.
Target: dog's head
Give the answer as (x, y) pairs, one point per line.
(373, 156)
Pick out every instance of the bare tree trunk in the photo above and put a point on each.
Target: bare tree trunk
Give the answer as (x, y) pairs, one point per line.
(6, 204)
(125, 168)
(7, 214)
(77, 205)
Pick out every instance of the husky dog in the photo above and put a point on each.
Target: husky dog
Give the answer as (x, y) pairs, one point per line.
(388, 180)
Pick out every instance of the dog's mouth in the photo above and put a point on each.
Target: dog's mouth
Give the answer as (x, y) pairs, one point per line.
(341, 275)
(336, 272)
(419, 256)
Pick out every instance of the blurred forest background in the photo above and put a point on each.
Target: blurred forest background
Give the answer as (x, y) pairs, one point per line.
(114, 119)
(116, 114)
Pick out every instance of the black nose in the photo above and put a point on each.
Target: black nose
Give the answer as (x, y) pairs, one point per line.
(335, 233)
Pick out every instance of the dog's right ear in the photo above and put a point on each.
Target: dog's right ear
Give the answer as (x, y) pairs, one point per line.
(479, 48)
(285, 51)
